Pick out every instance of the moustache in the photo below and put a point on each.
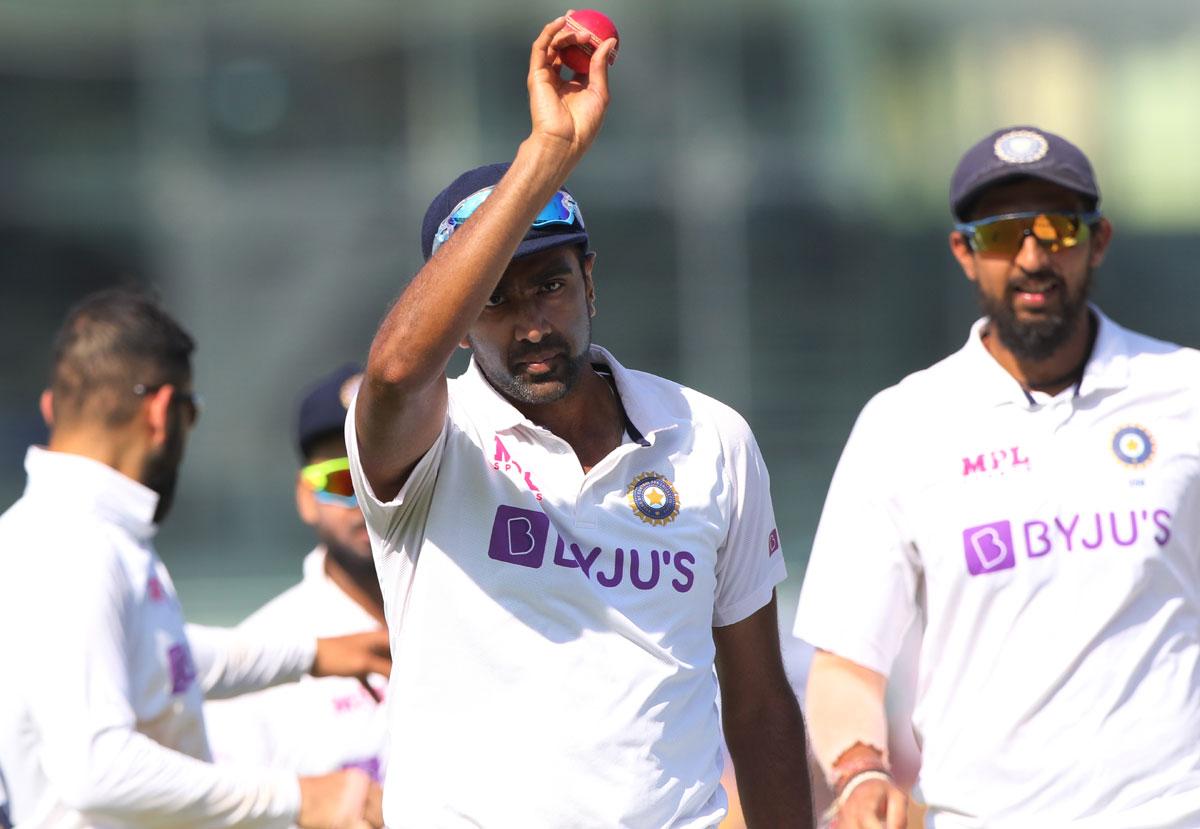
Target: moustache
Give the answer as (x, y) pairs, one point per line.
(1040, 279)
(523, 352)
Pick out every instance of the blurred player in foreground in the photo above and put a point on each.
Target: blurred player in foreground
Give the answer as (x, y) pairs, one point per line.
(565, 545)
(318, 724)
(100, 707)
(1033, 500)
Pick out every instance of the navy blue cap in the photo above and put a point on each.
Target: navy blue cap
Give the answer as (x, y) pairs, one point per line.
(1020, 152)
(471, 182)
(324, 404)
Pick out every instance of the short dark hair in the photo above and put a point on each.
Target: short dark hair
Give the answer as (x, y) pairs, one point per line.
(110, 342)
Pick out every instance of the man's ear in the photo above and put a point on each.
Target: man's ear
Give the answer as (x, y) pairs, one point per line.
(157, 406)
(961, 249)
(306, 502)
(589, 262)
(46, 406)
(1101, 236)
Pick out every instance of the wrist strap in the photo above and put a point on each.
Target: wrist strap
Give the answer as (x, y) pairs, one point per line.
(857, 780)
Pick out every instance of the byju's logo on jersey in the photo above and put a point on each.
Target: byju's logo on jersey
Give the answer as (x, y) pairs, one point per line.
(519, 536)
(653, 498)
(183, 670)
(522, 537)
(989, 548)
(1133, 446)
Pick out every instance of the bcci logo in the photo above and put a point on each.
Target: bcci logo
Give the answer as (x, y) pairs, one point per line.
(1021, 147)
(349, 389)
(1133, 446)
(653, 499)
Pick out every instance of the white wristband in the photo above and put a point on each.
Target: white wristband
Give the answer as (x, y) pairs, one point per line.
(857, 780)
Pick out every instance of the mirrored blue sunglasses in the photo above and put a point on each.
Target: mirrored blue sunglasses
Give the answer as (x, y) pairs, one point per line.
(562, 209)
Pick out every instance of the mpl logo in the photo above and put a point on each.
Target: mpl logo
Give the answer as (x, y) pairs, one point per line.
(989, 548)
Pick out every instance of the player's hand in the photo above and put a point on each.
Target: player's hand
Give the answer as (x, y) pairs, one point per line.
(874, 804)
(342, 800)
(567, 111)
(357, 655)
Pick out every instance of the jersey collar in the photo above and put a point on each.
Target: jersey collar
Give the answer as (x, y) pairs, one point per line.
(74, 482)
(500, 415)
(1107, 368)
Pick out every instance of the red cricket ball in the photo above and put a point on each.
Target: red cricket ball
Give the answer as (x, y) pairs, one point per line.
(599, 28)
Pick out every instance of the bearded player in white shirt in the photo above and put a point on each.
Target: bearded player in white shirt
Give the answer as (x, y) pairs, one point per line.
(101, 722)
(1032, 503)
(566, 546)
(318, 724)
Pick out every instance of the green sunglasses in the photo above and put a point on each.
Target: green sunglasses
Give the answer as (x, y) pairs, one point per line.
(331, 482)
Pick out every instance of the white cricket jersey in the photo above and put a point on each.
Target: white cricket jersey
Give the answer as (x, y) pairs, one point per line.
(552, 630)
(319, 724)
(1051, 547)
(100, 702)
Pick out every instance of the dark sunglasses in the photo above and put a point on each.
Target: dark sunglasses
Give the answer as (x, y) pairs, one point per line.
(1004, 235)
(190, 400)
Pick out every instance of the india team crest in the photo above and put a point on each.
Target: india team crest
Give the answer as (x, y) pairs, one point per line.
(1021, 147)
(1133, 446)
(349, 389)
(653, 498)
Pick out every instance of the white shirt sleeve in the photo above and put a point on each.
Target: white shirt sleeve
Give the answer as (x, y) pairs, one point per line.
(385, 517)
(750, 563)
(233, 661)
(90, 750)
(859, 593)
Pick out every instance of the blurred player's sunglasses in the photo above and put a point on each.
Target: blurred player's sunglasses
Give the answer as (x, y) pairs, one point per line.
(560, 210)
(330, 481)
(193, 403)
(1004, 235)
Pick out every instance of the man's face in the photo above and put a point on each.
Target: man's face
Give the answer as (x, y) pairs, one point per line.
(531, 341)
(338, 526)
(1035, 300)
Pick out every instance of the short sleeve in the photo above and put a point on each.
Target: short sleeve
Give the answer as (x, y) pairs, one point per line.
(859, 592)
(385, 518)
(750, 563)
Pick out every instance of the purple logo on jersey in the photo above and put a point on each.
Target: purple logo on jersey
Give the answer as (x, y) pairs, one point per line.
(368, 764)
(522, 536)
(183, 672)
(989, 548)
(519, 536)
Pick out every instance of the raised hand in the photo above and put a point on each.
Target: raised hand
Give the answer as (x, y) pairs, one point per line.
(357, 655)
(570, 111)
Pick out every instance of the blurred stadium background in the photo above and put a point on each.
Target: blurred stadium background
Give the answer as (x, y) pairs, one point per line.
(768, 202)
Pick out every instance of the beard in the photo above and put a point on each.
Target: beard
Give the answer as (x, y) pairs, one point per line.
(1037, 339)
(162, 472)
(360, 565)
(535, 389)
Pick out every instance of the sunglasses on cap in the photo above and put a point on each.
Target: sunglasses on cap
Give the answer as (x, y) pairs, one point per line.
(562, 209)
(330, 481)
(1004, 235)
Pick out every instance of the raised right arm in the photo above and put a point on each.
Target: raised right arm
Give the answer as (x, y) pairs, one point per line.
(401, 405)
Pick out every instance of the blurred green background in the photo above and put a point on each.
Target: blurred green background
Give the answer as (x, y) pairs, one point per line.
(768, 200)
